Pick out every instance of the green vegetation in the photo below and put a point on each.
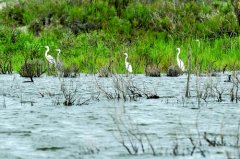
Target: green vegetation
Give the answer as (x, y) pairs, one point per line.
(91, 33)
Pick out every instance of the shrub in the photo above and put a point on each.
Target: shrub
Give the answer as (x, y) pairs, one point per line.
(33, 68)
(138, 14)
(152, 71)
(71, 71)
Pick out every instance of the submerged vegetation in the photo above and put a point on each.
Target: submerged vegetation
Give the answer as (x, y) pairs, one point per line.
(91, 33)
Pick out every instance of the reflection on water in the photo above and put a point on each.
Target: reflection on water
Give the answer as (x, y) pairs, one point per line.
(35, 124)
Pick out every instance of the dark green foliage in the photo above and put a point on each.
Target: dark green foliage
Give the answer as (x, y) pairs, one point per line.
(182, 19)
(138, 15)
(236, 6)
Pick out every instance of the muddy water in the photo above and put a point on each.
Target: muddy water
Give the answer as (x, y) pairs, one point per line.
(35, 124)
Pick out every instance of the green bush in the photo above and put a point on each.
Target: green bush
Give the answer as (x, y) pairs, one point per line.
(138, 15)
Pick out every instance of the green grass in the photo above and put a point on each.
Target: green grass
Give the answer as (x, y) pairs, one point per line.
(91, 34)
(91, 51)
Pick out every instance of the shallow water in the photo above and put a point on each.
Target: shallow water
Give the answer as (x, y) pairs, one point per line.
(36, 124)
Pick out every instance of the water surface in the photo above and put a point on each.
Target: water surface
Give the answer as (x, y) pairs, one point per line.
(36, 124)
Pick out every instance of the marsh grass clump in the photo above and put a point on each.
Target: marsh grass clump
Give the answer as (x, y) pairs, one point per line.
(6, 67)
(69, 92)
(33, 68)
(152, 71)
(122, 90)
(174, 71)
(71, 71)
(106, 71)
(6, 54)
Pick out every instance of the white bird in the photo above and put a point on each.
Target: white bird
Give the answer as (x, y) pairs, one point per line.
(59, 64)
(179, 61)
(127, 64)
(50, 59)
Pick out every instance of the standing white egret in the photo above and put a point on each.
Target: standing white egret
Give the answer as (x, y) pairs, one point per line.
(127, 64)
(179, 61)
(59, 64)
(50, 59)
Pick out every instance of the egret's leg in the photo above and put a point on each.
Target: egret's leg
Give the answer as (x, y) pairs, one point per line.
(48, 68)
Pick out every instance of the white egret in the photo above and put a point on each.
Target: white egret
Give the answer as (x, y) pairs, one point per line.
(59, 64)
(50, 59)
(127, 64)
(179, 61)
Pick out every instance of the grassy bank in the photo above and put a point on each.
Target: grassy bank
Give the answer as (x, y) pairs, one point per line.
(90, 34)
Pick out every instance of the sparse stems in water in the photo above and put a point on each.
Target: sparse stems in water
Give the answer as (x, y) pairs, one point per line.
(215, 141)
(219, 93)
(238, 135)
(234, 95)
(130, 136)
(151, 146)
(187, 94)
(4, 103)
(69, 93)
(125, 90)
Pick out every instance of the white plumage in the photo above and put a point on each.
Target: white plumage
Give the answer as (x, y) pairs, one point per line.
(50, 59)
(128, 66)
(59, 64)
(179, 61)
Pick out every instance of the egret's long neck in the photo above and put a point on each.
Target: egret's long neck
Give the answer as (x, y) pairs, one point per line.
(126, 58)
(46, 52)
(178, 53)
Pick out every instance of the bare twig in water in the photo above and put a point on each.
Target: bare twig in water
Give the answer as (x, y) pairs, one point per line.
(4, 103)
(130, 136)
(219, 92)
(234, 95)
(125, 90)
(187, 94)
(69, 93)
